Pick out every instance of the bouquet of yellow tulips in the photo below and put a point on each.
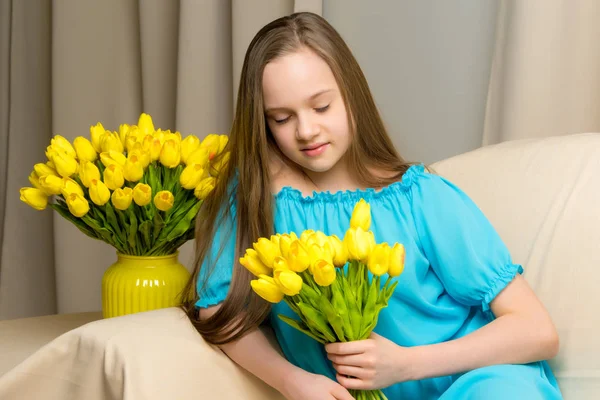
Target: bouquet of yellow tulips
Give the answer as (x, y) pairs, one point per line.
(326, 280)
(138, 189)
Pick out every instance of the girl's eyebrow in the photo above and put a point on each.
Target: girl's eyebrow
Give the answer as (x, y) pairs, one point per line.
(312, 97)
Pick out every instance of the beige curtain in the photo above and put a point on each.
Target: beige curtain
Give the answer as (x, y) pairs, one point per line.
(545, 77)
(67, 64)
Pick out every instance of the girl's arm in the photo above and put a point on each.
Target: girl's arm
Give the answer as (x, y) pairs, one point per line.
(521, 333)
(258, 355)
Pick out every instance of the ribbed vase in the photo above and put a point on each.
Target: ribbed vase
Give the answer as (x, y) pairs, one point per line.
(136, 283)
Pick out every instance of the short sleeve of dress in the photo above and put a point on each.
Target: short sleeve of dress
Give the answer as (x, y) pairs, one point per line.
(220, 258)
(464, 249)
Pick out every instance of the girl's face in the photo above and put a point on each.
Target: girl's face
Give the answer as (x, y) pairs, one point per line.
(305, 111)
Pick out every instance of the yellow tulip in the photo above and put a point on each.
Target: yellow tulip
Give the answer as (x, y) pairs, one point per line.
(65, 164)
(133, 169)
(51, 184)
(96, 133)
(252, 263)
(134, 136)
(266, 288)
(211, 143)
(223, 140)
(123, 133)
(113, 176)
(298, 256)
(61, 144)
(320, 253)
(142, 194)
(111, 141)
(155, 149)
(70, 186)
(145, 123)
(324, 273)
(164, 200)
(397, 257)
(142, 155)
(340, 254)
(121, 198)
(267, 251)
(112, 157)
(379, 259)
(85, 150)
(87, 172)
(285, 241)
(280, 263)
(35, 198)
(77, 204)
(99, 192)
(198, 156)
(188, 146)
(361, 216)
(42, 169)
(191, 176)
(305, 235)
(288, 281)
(34, 179)
(204, 188)
(170, 155)
(358, 243)
(217, 165)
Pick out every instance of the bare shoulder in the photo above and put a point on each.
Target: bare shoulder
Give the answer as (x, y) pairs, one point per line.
(282, 176)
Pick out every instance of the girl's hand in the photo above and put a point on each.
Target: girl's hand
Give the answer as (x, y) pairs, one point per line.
(307, 386)
(373, 363)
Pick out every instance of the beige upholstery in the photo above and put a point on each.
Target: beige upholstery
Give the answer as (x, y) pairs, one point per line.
(543, 196)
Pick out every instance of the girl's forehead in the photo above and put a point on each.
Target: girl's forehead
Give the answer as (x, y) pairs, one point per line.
(296, 76)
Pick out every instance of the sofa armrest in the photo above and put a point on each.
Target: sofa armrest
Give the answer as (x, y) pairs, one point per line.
(151, 355)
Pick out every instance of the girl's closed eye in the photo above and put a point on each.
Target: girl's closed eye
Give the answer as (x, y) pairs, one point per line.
(281, 121)
(322, 109)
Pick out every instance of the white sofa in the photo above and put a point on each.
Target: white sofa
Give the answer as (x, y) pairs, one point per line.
(543, 196)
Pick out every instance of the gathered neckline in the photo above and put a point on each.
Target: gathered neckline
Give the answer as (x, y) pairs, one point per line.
(289, 192)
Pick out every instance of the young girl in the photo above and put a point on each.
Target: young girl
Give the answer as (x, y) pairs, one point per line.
(306, 144)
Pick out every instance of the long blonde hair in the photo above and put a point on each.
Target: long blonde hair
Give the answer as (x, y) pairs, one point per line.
(250, 146)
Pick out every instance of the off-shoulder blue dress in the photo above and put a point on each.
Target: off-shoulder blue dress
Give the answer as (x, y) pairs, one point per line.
(455, 266)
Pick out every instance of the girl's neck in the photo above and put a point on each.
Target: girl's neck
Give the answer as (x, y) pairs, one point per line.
(336, 179)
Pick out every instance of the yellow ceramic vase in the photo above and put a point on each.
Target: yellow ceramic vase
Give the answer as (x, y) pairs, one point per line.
(137, 283)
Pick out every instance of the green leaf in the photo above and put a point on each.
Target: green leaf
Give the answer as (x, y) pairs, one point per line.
(131, 238)
(111, 217)
(317, 319)
(300, 326)
(146, 230)
(334, 318)
(66, 214)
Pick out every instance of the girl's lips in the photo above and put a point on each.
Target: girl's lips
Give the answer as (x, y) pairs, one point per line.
(315, 151)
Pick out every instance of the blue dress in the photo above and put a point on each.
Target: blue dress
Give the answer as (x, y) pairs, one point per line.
(455, 266)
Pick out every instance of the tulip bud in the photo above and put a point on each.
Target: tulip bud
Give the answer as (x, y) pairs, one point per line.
(121, 198)
(340, 254)
(145, 124)
(70, 186)
(111, 141)
(35, 198)
(96, 133)
(211, 143)
(358, 243)
(113, 176)
(142, 155)
(112, 157)
(34, 179)
(62, 145)
(188, 146)
(305, 235)
(77, 204)
(87, 172)
(155, 149)
(51, 184)
(198, 156)
(164, 200)
(204, 188)
(123, 133)
(252, 263)
(379, 259)
(191, 176)
(324, 273)
(133, 170)
(396, 260)
(285, 241)
(99, 192)
(42, 169)
(142, 194)
(170, 155)
(223, 140)
(85, 150)
(361, 216)
(65, 164)
(298, 256)
(266, 288)
(288, 281)
(267, 251)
